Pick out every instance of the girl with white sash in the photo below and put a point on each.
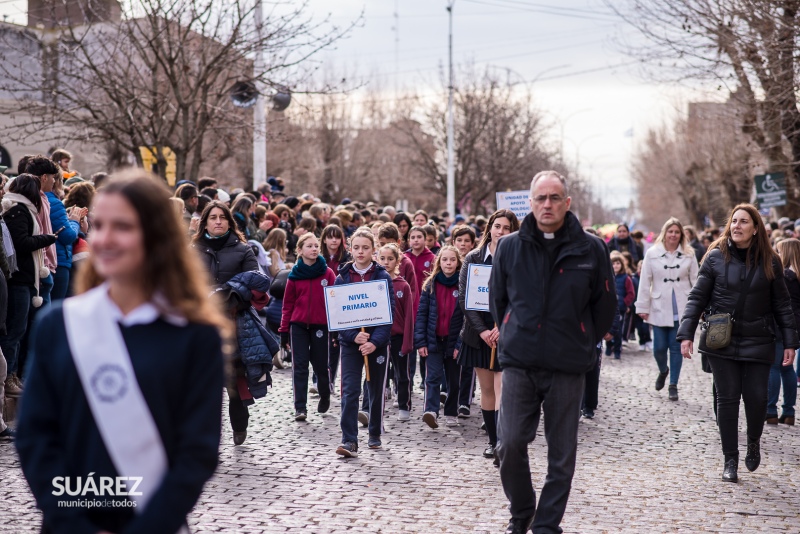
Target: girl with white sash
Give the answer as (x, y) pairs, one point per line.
(119, 425)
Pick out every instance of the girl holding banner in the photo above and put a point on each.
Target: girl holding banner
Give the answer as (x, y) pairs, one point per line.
(357, 345)
(436, 330)
(124, 380)
(479, 335)
(304, 325)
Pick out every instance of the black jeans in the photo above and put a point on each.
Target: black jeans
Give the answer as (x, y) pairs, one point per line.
(237, 410)
(737, 380)
(526, 392)
(310, 344)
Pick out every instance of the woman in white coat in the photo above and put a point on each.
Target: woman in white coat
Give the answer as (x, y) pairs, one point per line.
(668, 273)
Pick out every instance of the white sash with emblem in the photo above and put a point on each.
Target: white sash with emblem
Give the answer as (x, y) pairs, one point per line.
(112, 391)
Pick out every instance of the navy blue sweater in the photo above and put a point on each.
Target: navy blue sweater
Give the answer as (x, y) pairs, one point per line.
(180, 373)
(425, 324)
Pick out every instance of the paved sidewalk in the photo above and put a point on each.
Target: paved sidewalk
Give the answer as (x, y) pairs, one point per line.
(645, 464)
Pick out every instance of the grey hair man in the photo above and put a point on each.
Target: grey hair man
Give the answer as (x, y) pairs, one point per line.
(552, 291)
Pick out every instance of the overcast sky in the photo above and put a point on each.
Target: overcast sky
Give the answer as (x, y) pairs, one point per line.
(565, 48)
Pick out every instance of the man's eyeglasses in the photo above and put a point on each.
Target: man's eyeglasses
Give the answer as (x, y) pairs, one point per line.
(554, 199)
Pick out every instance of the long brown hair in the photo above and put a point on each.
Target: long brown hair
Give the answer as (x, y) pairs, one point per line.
(486, 238)
(333, 231)
(171, 267)
(759, 251)
(226, 212)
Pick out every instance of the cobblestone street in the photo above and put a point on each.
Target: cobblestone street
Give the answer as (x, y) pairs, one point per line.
(645, 464)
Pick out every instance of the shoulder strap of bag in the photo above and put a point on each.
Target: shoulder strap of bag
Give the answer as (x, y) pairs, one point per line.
(743, 293)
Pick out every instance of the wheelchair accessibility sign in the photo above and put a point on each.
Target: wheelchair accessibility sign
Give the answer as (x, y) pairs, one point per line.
(771, 190)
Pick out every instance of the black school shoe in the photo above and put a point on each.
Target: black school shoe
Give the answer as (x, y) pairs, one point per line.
(324, 404)
(489, 451)
(519, 526)
(239, 437)
(7, 434)
(348, 450)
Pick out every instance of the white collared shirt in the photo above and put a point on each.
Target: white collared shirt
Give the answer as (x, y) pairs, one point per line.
(145, 313)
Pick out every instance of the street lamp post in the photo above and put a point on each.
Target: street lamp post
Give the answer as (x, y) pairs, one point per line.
(451, 171)
(260, 108)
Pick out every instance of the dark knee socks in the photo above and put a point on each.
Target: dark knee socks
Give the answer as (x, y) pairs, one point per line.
(490, 418)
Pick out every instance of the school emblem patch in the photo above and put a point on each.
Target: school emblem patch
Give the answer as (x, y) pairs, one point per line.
(399, 294)
(109, 383)
(427, 264)
(324, 283)
(455, 293)
(380, 360)
(319, 333)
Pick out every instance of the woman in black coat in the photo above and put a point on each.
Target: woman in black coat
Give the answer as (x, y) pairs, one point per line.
(741, 257)
(225, 252)
(20, 206)
(479, 334)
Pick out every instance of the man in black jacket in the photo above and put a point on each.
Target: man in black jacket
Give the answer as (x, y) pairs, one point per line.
(552, 291)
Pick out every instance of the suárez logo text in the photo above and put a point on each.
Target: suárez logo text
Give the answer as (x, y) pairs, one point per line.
(83, 486)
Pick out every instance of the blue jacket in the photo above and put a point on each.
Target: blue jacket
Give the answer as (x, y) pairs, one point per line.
(378, 335)
(619, 283)
(274, 310)
(425, 324)
(58, 218)
(256, 346)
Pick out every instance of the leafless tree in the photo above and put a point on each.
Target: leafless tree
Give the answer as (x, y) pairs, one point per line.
(692, 172)
(747, 45)
(161, 76)
(501, 141)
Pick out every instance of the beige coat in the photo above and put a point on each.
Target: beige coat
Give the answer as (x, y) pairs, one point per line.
(662, 273)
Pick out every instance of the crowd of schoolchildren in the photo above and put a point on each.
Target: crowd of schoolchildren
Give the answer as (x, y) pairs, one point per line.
(298, 246)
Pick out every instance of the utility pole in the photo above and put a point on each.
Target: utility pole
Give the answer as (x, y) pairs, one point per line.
(260, 108)
(451, 171)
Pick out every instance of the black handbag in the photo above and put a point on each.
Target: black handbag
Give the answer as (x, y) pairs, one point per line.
(719, 326)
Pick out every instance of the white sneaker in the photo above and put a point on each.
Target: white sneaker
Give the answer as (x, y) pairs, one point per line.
(451, 421)
(404, 415)
(395, 404)
(430, 419)
(363, 418)
(648, 346)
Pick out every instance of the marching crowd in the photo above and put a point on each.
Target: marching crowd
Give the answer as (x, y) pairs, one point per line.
(247, 270)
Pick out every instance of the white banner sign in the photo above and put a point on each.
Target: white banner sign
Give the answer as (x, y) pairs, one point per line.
(358, 305)
(516, 201)
(477, 297)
